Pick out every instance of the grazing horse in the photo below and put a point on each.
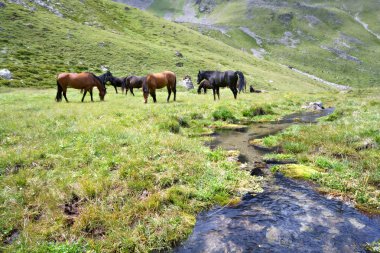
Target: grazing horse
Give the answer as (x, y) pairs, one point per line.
(131, 82)
(158, 81)
(85, 80)
(205, 84)
(223, 79)
(117, 82)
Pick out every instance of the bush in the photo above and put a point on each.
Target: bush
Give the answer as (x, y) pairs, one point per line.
(258, 111)
(224, 114)
(334, 116)
(170, 125)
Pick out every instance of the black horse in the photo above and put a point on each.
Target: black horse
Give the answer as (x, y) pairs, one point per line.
(131, 82)
(117, 82)
(223, 79)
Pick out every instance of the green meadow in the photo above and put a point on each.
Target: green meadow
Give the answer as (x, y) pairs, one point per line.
(124, 176)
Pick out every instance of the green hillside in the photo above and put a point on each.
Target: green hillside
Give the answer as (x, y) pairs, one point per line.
(319, 37)
(36, 45)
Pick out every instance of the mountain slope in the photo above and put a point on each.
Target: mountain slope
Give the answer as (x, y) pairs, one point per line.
(37, 44)
(324, 38)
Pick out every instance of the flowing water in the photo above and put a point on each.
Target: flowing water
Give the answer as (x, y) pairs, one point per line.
(289, 216)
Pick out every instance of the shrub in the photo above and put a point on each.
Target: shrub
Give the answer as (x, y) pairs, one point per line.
(224, 114)
(258, 111)
(170, 125)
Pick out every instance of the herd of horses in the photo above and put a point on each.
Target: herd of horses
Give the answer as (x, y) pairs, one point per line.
(86, 81)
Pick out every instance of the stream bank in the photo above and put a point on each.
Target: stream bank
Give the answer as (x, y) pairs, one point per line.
(289, 216)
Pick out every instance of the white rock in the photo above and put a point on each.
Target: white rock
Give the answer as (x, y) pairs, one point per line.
(5, 74)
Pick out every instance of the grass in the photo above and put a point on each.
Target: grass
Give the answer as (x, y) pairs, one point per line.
(115, 175)
(91, 176)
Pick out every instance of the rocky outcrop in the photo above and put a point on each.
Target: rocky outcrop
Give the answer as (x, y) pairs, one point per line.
(31, 5)
(289, 40)
(205, 5)
(342, 54)
(141, 4)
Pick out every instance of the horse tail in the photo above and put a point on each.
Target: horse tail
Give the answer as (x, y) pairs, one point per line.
(241, 80)
(124, 84)
(58, 98)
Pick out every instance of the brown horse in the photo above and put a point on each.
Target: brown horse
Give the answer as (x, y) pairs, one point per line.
(158, 81)
(131, 82)
(84, 80)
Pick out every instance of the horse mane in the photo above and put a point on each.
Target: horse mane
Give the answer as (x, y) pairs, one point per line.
(96, 77)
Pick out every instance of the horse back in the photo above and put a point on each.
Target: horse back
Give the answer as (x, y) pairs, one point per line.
(160, 80)
(77, 80)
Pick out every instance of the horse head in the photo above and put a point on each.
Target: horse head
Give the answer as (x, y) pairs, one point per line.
(102, 92)
(199, 77)
(108, 76)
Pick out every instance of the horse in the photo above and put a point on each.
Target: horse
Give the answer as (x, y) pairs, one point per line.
(158, 81)
(131, 82)
(205, 84)
(117, 82)
(85, 81)
(223, 79)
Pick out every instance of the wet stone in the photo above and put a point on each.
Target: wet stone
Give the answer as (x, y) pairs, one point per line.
(11, 237)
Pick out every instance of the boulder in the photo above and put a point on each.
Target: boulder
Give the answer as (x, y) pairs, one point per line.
(5, 74)
(187, 83)
(314, 106)
(178, 54)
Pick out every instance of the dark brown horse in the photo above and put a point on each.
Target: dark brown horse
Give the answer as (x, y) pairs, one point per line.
(158, 81)
(205, 84)
(131, 82)
(85, 80)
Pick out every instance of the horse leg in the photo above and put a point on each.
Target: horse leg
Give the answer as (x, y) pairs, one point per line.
(132, 91)
(217, 92)
(115, 88)
(92, 100)
(213, 92)
(64, 94)
(84, 94)
(175, 93)
(169, 93)
(153, 94)
(234, 91)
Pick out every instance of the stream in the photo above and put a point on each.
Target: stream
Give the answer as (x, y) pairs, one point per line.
(289, 216)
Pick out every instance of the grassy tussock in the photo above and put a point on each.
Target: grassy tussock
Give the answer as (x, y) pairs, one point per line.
(345, 145)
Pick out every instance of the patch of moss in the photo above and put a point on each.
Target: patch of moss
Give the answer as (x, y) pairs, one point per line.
(297, 171)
